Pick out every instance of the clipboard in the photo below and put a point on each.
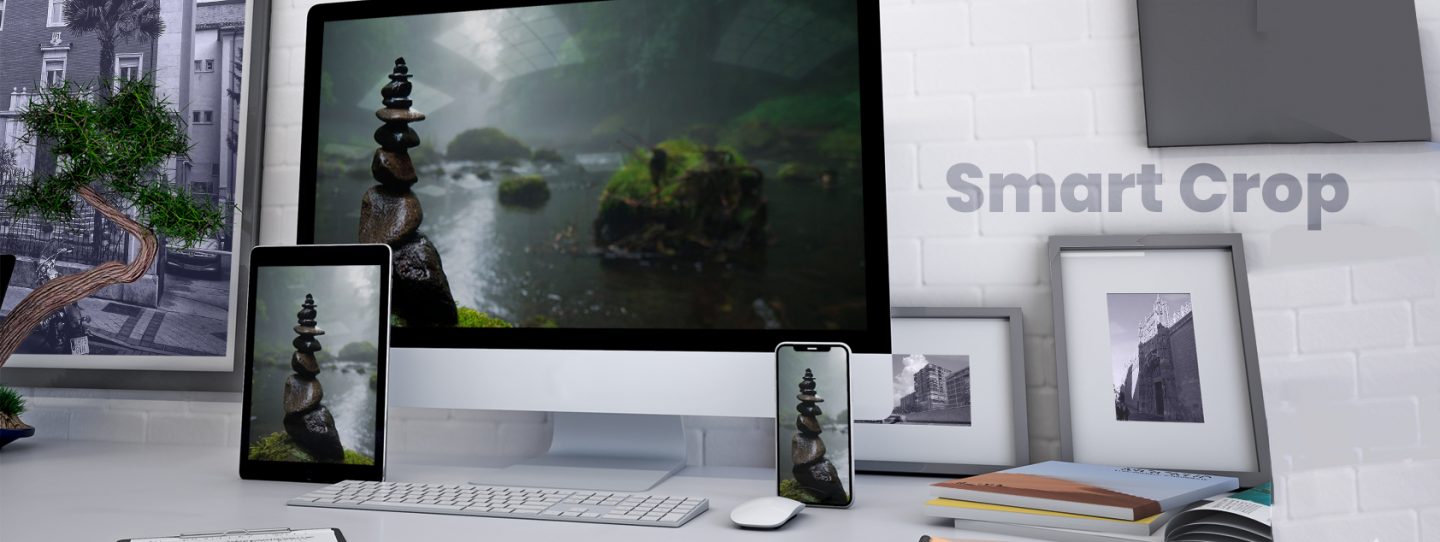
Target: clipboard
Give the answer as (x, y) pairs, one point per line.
(258, 535)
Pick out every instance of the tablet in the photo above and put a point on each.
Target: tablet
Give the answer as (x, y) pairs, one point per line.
(317, 336)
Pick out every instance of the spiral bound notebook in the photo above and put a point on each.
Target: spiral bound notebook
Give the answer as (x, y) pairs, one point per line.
(253, 535)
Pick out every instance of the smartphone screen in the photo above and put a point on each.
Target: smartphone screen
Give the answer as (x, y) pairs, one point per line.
(812, 421)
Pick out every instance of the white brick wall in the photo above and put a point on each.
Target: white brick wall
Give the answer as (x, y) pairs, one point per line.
(1348, 329)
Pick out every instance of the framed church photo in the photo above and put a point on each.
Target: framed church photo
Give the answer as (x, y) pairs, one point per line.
(950, 398)
(1155, 354)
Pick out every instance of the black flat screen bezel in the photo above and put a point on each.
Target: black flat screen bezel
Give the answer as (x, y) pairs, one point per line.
(317, 256)
(875, 338)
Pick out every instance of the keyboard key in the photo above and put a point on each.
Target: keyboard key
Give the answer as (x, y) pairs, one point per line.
(672, 517)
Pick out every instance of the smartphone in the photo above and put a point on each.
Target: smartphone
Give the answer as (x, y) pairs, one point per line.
(812, 424)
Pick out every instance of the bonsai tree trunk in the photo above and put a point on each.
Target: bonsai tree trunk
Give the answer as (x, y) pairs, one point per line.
(63, 291)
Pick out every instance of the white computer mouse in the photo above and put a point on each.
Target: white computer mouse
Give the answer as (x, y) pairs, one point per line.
(765, 512)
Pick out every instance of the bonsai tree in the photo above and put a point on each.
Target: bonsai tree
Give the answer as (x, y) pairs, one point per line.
(12, 405)
(111, 153)
(111, 21)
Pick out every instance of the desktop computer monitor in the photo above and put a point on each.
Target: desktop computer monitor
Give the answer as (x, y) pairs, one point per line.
(612, 207)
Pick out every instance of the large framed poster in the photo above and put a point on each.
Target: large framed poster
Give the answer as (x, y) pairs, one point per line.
(178, 323)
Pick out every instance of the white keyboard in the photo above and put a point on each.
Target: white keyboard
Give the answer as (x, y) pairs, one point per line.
(507, 502)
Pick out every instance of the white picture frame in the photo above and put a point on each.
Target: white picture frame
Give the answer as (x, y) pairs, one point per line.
(985, 343)
(1190, 398)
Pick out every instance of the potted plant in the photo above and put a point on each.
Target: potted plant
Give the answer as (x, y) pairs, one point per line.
(12, 405)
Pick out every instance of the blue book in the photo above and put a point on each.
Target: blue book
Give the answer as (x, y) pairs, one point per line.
(1124, 493)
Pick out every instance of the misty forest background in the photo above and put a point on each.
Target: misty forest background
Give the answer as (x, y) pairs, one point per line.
(347, 307)
(774, 84)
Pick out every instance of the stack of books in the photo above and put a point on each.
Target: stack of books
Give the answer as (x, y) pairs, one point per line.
(1070, 502)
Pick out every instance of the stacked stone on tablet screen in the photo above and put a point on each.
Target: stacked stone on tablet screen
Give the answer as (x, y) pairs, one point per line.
(390, 213)
(307, 421)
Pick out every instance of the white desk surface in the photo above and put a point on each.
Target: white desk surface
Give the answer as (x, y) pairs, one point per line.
(58, 490)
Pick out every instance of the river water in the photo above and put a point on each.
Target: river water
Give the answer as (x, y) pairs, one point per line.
(531, 265)
(347, 395)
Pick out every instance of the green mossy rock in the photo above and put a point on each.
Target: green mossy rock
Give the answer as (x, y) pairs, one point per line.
(277, 446)
(472, 318)
(525, 191)
(708, 203)
(465, 317)
(791, 489)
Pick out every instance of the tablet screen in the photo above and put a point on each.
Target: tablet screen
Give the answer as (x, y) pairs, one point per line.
(315, 351)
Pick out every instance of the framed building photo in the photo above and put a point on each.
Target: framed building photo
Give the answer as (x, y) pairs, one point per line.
(206, 59)
(1155, 352)
(949, 400)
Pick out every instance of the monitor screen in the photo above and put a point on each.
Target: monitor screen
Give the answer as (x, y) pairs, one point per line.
(606, 169)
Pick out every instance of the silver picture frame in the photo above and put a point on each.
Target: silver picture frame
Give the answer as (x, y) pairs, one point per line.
(1231, 242)
(247, 227)
(950, 462)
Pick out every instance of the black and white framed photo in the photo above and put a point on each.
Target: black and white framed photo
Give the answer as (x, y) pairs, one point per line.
(949, 399)
(1155, 353)
(176, 327)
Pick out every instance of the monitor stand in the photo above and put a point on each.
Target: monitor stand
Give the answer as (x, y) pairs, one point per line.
(614, 452)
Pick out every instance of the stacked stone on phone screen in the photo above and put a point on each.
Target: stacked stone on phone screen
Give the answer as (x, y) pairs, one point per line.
(815, 474)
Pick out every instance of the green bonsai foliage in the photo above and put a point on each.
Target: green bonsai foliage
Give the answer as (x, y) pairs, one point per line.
(486, 144)
(525, 191)
(11, 403)
(119, 146)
